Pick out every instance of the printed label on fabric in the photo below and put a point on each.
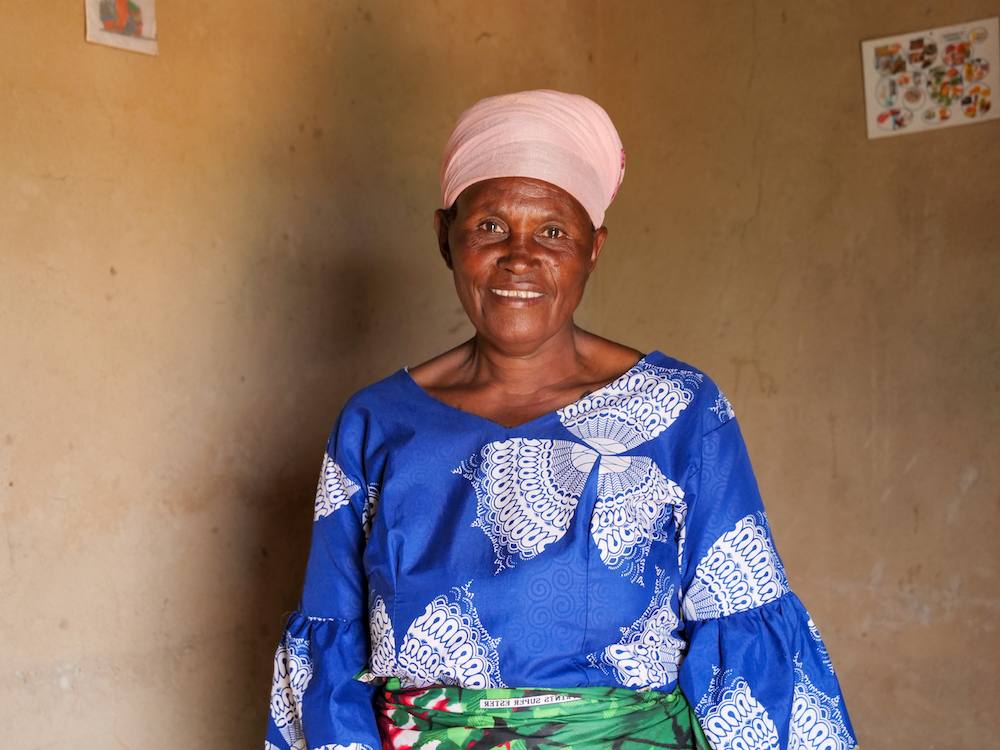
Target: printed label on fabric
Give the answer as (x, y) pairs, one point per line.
(527, 701)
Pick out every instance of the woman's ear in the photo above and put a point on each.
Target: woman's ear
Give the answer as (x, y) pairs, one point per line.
(600, 235)
(441, 227)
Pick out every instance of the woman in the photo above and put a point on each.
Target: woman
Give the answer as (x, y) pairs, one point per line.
(543, 538)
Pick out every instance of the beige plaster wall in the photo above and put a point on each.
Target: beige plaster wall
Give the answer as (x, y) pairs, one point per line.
(203, 254)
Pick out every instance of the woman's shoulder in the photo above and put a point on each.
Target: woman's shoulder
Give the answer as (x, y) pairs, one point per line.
(381, 397)
(699, 390)
(661, 361)
(678, 367)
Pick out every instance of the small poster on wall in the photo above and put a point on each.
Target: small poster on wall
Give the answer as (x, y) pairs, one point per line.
(933, 79)
(127, 24)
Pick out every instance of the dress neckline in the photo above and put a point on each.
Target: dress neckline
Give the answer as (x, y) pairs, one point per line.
(405, 373)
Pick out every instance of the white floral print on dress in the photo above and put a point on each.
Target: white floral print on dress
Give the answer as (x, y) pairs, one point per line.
(383, 640)
(335, 489)
(528, 490)
(817, 722)
(633, 409)
(733, 719)
(292, 672)
(448, 645)
(371, 505)
(820, 646)
(723, 409)
(739, 572)
(649, 653)
(634, 509)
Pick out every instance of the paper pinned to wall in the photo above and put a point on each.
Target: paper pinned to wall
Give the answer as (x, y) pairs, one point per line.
(932, 79)
(127, 24)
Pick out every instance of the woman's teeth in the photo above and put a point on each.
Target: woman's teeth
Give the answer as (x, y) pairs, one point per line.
(516, 293)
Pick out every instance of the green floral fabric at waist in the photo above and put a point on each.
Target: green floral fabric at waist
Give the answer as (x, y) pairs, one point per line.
(592, 718)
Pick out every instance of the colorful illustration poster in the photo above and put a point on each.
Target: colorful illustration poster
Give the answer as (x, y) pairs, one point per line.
(127, 24)
(932, 79)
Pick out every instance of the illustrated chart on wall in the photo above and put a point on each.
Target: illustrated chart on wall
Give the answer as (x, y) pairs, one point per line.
(927, 80)
(127, 24)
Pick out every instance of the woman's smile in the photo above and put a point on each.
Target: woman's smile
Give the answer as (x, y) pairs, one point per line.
(516, 293)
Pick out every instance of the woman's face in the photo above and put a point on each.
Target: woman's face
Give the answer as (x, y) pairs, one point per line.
(521, 251)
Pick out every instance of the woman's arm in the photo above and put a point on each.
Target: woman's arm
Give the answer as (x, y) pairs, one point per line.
(756, 670)
(315, 700)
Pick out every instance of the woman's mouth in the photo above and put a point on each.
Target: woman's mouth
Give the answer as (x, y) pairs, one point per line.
(518, 293)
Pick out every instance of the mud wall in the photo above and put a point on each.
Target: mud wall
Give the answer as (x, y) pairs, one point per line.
(202, 254)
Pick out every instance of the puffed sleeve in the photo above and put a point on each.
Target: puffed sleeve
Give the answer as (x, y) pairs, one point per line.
(756, 670)
(315, 702)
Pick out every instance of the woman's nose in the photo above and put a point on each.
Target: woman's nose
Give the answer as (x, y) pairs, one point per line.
(520, 256)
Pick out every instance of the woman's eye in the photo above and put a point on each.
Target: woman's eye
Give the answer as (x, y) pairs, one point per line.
(491, 226)
(554, 233)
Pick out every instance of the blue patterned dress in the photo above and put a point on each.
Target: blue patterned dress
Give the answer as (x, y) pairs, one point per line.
(619, 541)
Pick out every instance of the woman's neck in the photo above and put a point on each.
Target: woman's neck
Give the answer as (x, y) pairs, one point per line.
(527, 369)
(513, 387)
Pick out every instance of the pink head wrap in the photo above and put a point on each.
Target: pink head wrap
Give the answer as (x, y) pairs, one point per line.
(564, 139)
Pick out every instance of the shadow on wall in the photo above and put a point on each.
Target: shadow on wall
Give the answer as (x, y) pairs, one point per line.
(328, 284)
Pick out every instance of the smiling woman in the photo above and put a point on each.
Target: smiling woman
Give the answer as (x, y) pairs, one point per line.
(542, 537)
